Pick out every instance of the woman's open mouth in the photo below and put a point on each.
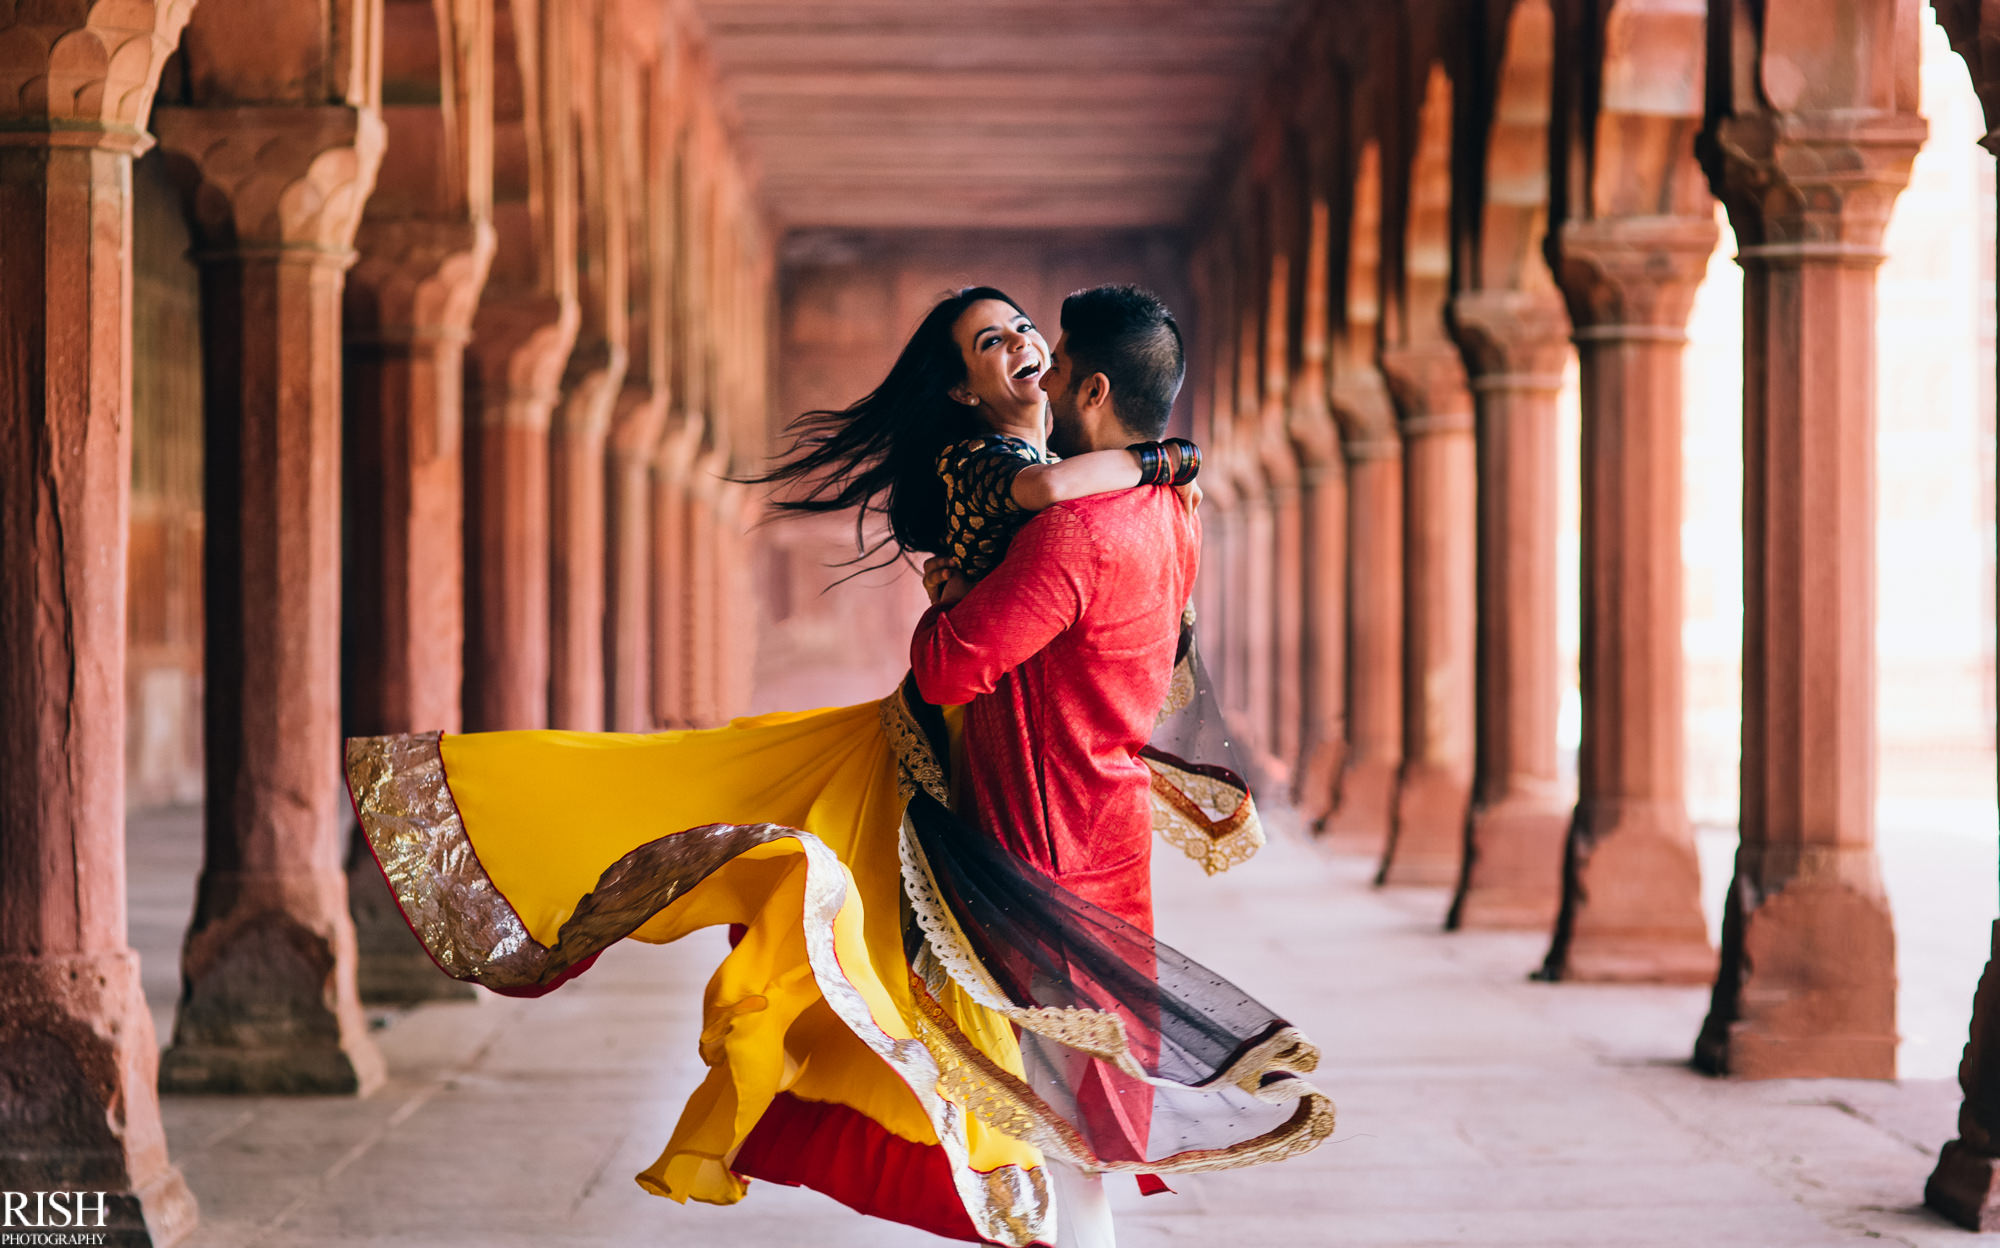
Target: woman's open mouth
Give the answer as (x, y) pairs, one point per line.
(1032, 368)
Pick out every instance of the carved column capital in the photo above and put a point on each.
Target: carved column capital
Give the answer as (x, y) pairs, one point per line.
(1810, 187)
(1366, 412)
(1632, 277)
(1511, 339)
(81, 72)
(1310, 425)
(416, 280)
(637, 417)
(275, 178)
(1427, 381)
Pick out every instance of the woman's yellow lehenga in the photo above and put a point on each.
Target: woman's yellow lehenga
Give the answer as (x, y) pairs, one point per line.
(865, 1035)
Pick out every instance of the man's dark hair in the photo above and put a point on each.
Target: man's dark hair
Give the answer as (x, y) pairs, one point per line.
(1127, 334)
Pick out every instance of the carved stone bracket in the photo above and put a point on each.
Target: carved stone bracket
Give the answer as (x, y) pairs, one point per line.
(293, 179)
(83, 72)
(417, 279)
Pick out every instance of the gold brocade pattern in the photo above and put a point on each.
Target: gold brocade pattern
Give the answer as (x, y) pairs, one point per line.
(917, 767)
(414, 829)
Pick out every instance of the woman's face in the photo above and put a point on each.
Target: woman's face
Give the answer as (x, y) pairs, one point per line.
(1005, 356)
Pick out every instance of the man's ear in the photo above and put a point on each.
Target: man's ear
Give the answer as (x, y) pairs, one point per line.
(1095, 392)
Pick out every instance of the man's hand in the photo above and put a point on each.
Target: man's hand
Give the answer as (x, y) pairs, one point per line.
(943, 581)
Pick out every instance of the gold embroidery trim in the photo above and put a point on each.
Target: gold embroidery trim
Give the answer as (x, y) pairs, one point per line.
(916, 766)
(1210, 820)
(1005, 1102)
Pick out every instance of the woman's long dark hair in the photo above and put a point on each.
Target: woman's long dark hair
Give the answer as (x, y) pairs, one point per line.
(879, 454)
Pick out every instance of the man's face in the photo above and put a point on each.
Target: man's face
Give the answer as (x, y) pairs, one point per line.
(1065, 423)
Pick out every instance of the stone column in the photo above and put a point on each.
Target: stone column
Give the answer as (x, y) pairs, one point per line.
(635, 435)
(1807, 986)
(268, 1000)
(527, 321)
(425, 244)
(78, 1057)
(520, 341)
(1315, 438)
(410, 301)
(673, 465)
(577, 538)
(1364, 805)
(1515, 346)
(1286, 600)
(590, 385)
(700, 634)
(1965, 1186)
(1427, 840)
(1631, 905)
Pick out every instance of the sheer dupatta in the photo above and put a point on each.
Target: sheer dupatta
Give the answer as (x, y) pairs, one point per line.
(1148, 1062)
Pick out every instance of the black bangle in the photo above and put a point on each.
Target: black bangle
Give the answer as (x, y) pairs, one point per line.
(1151, 462)
(1187, 460)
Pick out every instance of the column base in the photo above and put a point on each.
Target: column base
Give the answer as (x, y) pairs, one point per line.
(268, 1003)
(1513, 865)
(1363, 808)
(1784, 1006)
(79, 1056)
(391, 966)
(1965, 1187)
(1427, 839)
(1313, 789)
(1631, 909)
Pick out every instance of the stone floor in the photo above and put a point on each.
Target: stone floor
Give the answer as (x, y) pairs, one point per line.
(1477, 1108)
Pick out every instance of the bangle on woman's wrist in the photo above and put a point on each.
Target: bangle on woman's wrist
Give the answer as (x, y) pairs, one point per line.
(1187, 460)
(1153, 466)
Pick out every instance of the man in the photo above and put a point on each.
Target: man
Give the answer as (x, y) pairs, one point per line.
(1063, 655)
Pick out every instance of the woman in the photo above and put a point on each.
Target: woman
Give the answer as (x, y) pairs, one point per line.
(865, 1034)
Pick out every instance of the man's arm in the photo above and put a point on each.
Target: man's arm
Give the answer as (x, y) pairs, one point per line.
(1038, 590)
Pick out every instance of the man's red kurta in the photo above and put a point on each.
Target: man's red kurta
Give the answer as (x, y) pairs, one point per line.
(1064, 653)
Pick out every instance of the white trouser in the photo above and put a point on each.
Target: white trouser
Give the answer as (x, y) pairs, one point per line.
(1083, 1211)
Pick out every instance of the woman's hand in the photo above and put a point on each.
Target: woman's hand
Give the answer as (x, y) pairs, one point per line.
(1190, 495)
(943, 582)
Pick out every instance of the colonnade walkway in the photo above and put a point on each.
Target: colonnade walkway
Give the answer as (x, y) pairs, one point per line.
(1476, 1107)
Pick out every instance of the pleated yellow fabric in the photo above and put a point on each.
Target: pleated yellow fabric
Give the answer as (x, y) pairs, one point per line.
(548, 813)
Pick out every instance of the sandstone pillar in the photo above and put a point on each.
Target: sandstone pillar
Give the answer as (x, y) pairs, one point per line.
(635, 435)
(1632, 887)
(673, 466)
(1807, 985)
(522, 333)
(1427, 838)
(701, 634)
(1286, 541)
(425, 244)
(78, 1110)
(268, 999)
(1515, 346)
(1364, 805)
(1965, 1186)
(1322, 559)
(592, 381)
